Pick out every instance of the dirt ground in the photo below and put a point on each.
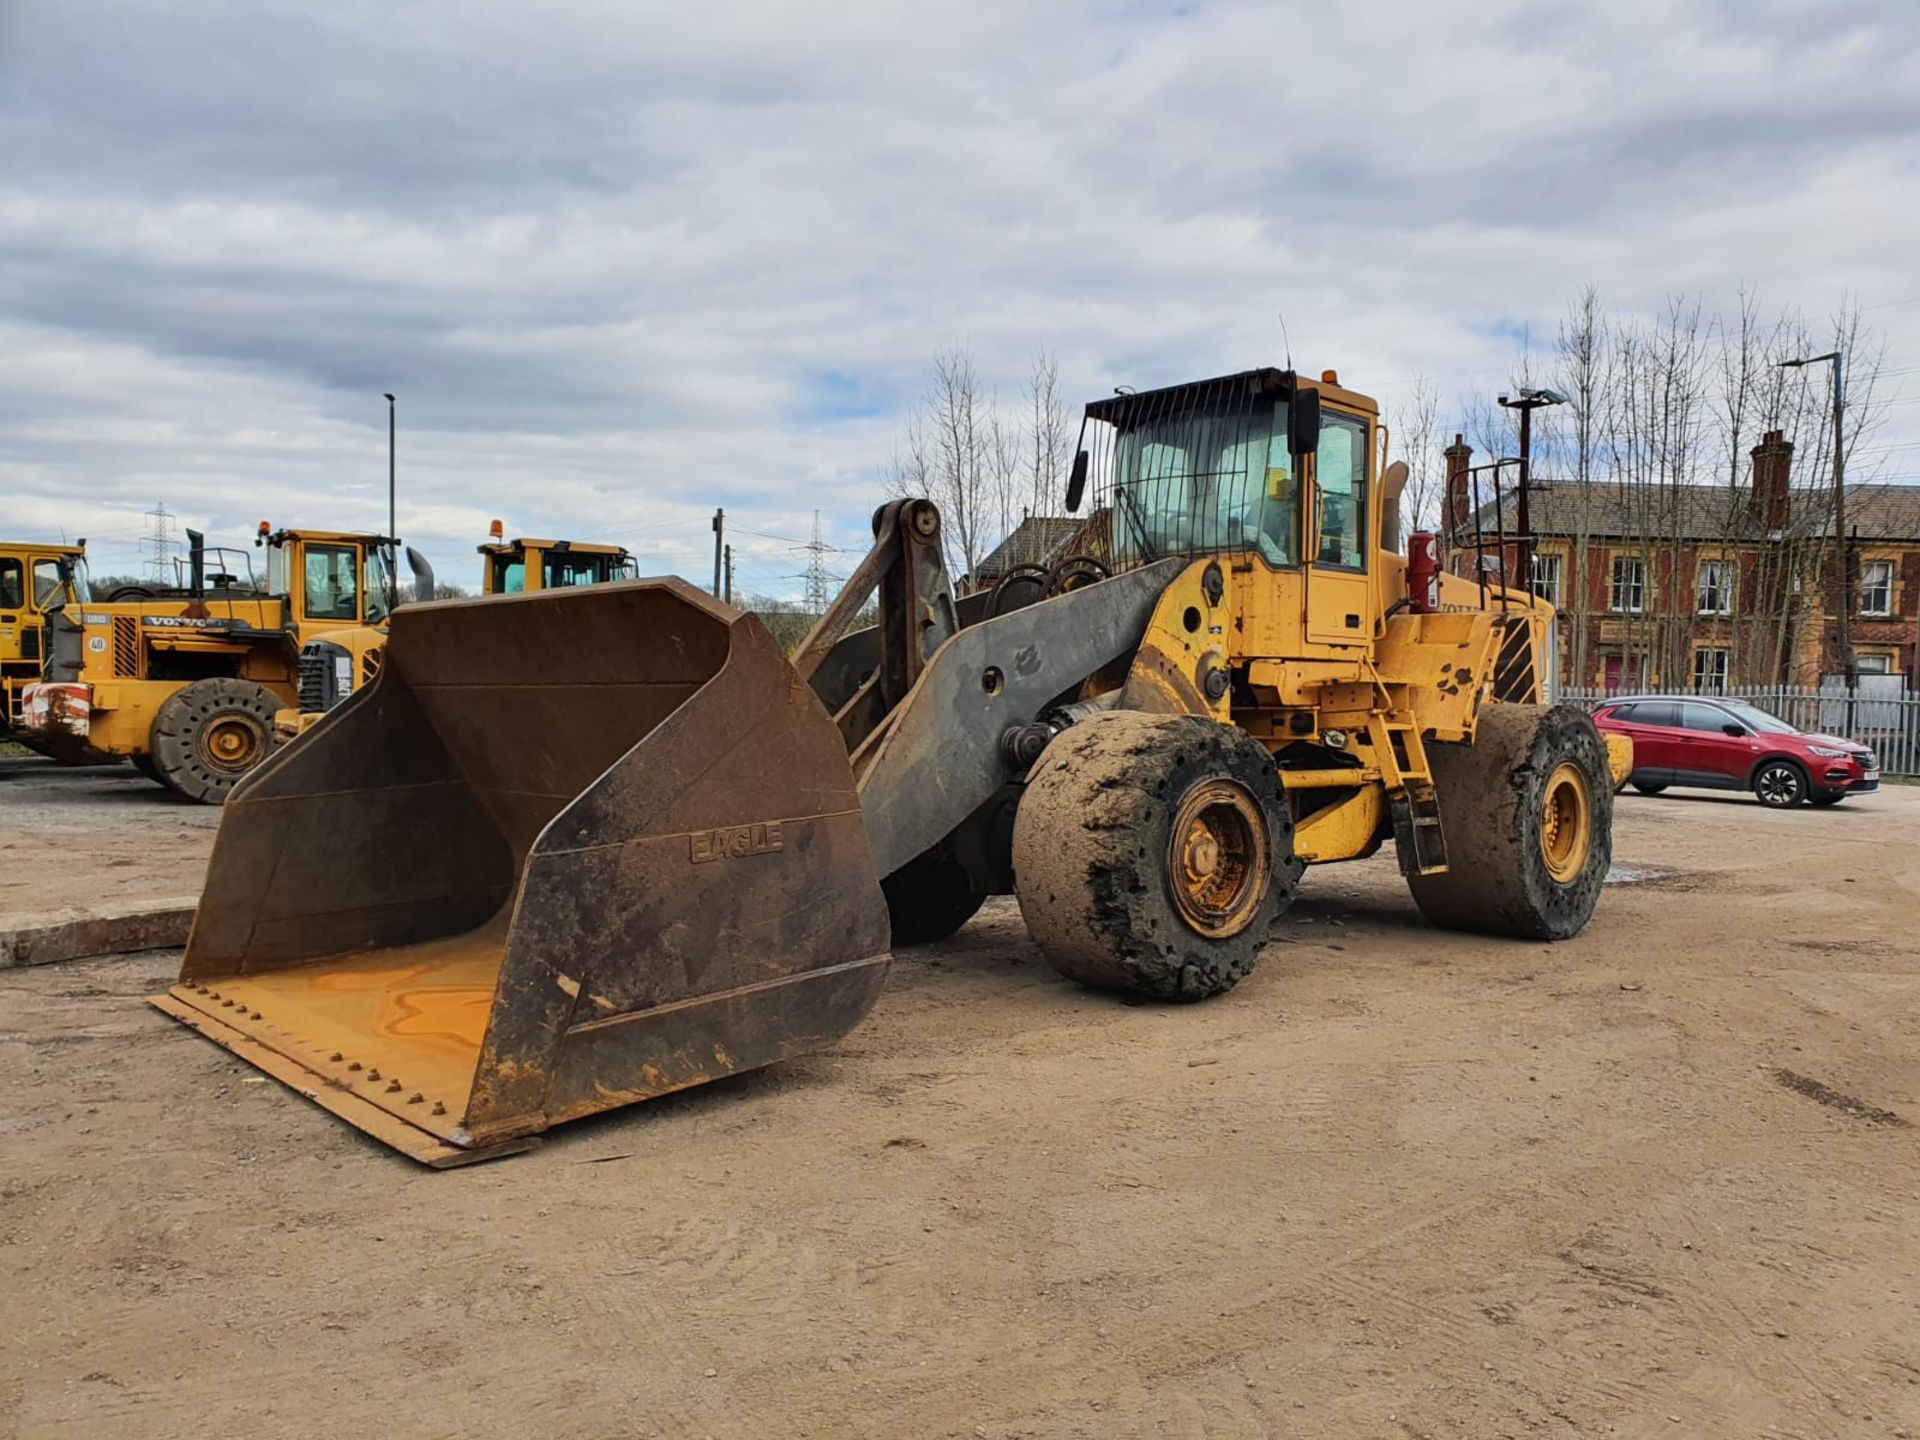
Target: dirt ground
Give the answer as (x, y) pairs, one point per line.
(78, 837)
(1661, 1180)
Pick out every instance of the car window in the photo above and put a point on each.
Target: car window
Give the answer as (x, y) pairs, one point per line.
(1622, 713)
(1655, 712)
(1758, 720)
(1703, 717)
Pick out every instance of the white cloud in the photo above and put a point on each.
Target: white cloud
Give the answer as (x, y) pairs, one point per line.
(626, 263)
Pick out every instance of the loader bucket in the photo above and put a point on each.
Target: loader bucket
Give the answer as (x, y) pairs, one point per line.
(568, 851)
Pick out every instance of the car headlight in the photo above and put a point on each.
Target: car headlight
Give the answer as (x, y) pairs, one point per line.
(1828, 751)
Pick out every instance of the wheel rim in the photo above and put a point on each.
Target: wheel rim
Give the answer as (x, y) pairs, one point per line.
(1566, 823)
(1217, 862)
(230, 744)
(1779, 785)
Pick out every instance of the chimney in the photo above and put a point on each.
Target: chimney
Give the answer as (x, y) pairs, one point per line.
(1772, 463)
(1459, 496)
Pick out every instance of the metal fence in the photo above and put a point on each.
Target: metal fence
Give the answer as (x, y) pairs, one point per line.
(1881, 713)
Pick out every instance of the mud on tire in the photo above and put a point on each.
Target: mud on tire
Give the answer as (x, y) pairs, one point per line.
(1095, 854)
(210, 734)
(1496, 798)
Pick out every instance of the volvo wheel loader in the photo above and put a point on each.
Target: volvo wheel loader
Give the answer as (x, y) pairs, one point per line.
(187, 685)
(576, 849)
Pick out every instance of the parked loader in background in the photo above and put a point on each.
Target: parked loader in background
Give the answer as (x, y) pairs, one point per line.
(573, 850)
(514, 567)
(34, 578)
(186, 687)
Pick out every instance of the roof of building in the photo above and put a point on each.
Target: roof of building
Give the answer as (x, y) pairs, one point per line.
(1705, 512)
(1036, 540)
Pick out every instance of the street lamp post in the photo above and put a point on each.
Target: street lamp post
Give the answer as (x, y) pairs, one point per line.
(1842, 571)
(1526, 402)
(391, 531)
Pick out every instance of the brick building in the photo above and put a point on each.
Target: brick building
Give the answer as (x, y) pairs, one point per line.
(1703, 587)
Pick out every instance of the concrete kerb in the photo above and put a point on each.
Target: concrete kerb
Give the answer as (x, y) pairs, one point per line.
(81, 934)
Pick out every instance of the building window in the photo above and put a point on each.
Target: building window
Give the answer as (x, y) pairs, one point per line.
(1876, 588)
(1546, 578)
(1629, 585)
(1716, 587)
(1709, 671)
(1873, 664)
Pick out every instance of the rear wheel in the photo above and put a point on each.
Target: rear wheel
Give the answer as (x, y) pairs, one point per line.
(1527, 811)
(928, 899)
(208, 735)
(1781, 784)
(1648, 789)
(1152, 854)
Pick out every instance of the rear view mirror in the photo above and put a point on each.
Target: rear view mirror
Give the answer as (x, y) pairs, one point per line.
(1077, 483)
(1303, 422)
(1733, 729)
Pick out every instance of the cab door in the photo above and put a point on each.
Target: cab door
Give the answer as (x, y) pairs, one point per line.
(1338, 550)
(14, 619)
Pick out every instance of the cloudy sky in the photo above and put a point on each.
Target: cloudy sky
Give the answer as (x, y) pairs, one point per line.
(624, 262)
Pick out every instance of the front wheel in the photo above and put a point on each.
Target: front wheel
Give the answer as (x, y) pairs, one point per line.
(1780, 784)
(1153, 853)
(1526, 807)
(210, 734)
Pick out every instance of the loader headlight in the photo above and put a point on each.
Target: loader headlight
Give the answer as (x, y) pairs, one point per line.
(1828, 751)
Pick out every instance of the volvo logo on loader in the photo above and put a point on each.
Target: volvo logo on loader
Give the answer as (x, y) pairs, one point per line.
(730, 842)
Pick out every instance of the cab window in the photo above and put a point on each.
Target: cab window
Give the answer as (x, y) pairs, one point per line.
(1340, 463)
(509, 575)
(47, 588)
(12, 589)
(568, 569)
(333, 582)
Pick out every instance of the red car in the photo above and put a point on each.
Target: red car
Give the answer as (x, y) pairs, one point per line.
(1731, 745)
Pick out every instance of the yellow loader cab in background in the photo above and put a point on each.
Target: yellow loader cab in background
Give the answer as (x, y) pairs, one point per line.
(514, 567)
(186, 686)
(610, 841)
(34, 578)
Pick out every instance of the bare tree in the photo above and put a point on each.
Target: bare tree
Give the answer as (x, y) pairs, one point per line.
(1049, 435)
(1416, 428)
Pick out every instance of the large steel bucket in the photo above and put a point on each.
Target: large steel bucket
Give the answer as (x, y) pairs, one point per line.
(568, 851)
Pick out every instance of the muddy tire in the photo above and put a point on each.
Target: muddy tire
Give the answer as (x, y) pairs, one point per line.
(1527, 811)
(928, 899)
(210, 734)
(144, 764)
(1152, 854)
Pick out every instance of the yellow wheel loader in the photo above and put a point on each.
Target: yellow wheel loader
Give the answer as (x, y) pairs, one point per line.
(186, 684)
(34, 579)
(575, 849)
(514, 567)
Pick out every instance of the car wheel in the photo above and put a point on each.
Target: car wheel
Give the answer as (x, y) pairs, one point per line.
(1781, 784)
(1827, 797)
(1644, 789)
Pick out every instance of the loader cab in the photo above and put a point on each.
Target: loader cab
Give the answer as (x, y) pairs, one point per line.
(330, 579)
(1261, 465)
(514, 567)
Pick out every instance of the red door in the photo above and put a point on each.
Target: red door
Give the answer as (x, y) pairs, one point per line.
(1707, 753)
(1654, 725)
(1622, 674)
